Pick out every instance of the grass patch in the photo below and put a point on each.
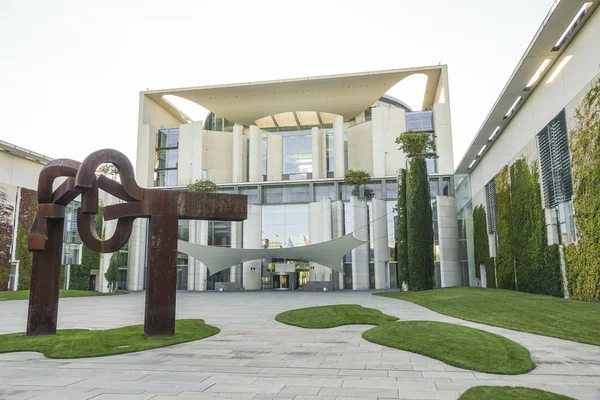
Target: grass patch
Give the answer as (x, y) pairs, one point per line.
(332, 316)
(509, 393)
(24, 294)
(77, 343)
(455, 345)
(574, 320)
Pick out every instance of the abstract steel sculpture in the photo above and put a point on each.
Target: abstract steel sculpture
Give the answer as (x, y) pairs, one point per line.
(163, 208)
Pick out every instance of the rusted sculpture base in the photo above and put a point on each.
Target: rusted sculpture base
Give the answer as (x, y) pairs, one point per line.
(161, 277)
(45, 279)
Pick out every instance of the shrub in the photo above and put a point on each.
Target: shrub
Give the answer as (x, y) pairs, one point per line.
(203, 185)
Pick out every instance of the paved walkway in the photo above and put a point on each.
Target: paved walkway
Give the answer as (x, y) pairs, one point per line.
(255, 357)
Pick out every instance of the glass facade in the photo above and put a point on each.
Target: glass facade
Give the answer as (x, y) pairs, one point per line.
(297, 154)
(285, 226)
(167, 154)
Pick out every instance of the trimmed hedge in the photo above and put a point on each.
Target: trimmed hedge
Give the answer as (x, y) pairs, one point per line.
(505, 264)
(79, 278)
(582, 260)
(402, 244)
(421, 267)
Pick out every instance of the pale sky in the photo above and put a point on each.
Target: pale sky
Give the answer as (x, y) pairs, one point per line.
(71, 71)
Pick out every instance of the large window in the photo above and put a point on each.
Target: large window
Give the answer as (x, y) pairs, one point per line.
(555, 163)
(285, 225)
(167, 155)
(251, 192)
(324, 191)
(297, 154)
(419, 121)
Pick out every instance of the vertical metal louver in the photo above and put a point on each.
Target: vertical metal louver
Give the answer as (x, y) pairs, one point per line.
(490, 205)
(555, 161)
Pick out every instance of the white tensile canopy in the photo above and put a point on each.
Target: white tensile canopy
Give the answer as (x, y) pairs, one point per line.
(328, 254)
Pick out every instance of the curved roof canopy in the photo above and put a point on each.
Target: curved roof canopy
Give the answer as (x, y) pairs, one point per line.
(216, 259)
(347, 95)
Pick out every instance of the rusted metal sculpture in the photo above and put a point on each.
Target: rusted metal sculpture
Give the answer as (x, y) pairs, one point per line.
(163, 208)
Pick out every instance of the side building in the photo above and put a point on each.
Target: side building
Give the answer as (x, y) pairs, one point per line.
(529, 131)
(287, 145)
(19, 172)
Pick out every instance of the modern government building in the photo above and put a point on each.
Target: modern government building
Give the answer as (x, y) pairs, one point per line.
(287, 145)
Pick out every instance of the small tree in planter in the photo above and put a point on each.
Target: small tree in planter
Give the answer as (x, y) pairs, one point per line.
(359, 179)
(203, 185)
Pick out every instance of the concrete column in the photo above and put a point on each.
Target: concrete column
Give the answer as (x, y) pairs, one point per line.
(319, 230)
(450, 270)
(137, 255)
(380, 241)
(443, 133)
(337, 230)
(109, 230)
(146, 155)
(191, 261)
(252, 228)
(360, 255)
(317, 158)
(552, 226)
(236, 243)
(237, 158)
(200, 271)
(274, 157)
(189, 165)
(338, 147)
(255, 153)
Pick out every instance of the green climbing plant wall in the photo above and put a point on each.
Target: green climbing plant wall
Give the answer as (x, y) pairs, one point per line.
(505, 268)
(27, 210)
(402, 245)
(582, 260)
(482, 248)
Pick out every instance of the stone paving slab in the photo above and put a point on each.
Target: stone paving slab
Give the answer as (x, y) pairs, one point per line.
(255, 357)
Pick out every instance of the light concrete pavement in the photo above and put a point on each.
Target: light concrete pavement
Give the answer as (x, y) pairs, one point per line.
(255, 357)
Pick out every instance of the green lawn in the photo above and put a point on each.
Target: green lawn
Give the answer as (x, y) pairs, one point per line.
(550, 316)
(509, 393)
(24, 294)
(453, 344)
(77, 343)
(332, 316)
(456, 345)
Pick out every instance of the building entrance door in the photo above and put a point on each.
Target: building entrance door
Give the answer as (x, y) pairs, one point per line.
(283, 281)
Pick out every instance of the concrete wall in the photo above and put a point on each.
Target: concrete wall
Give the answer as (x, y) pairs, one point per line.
(548, 99)
(388, 124)
(274, 156)
(443, 133)
(360, 148)
(189, 166)
(19, 171)
(217, 154)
